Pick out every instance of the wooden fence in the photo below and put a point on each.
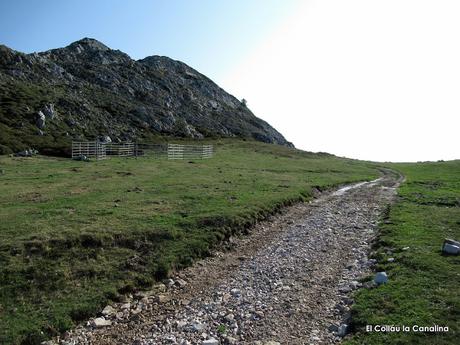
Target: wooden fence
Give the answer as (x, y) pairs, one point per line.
(99, 150)
(152, 150)
(88, 149)
(177, 151)
(121, 149)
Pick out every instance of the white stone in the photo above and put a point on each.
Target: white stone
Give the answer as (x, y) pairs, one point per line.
(343, 330)
(210, 341)
(180, 282)
(235, 292)
(109, 310)
(101, 322)
(381, 278)
(181, 324)
(230, 340)
(197, 327)
(451, 249)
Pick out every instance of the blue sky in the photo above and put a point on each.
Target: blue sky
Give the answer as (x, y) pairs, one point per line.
(211, 36)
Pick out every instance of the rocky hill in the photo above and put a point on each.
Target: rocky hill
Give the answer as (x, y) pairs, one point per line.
(89, 91)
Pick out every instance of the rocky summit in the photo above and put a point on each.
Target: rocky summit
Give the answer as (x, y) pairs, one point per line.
(89, 91)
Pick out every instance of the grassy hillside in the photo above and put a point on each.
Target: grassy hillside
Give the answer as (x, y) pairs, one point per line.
(424, 285)
(75, 234)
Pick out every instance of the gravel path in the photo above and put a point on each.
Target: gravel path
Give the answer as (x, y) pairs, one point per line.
(288, 282)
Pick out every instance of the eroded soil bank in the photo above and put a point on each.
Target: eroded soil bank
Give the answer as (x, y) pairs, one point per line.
(289, 281)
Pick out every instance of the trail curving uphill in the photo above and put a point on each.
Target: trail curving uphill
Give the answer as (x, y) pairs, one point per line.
(288, 282)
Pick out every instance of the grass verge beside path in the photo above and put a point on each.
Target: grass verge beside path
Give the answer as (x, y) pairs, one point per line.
(424, 285)
(74, 235)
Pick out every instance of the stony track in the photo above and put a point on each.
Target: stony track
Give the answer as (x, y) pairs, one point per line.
(288, 282)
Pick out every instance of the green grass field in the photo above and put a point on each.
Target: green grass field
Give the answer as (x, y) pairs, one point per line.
(424, 285)
(75, 234)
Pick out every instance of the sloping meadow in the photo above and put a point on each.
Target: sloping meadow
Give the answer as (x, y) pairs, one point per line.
(74, 235)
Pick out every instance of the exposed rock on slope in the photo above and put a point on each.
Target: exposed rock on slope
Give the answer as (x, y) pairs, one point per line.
(87, 90)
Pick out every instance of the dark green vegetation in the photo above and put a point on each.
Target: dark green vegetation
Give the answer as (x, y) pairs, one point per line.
(424, 285)
(74, 235)
(17, 120)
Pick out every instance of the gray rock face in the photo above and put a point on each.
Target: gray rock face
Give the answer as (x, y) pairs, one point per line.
(41, 120)
(99, 90)
(48, 111)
